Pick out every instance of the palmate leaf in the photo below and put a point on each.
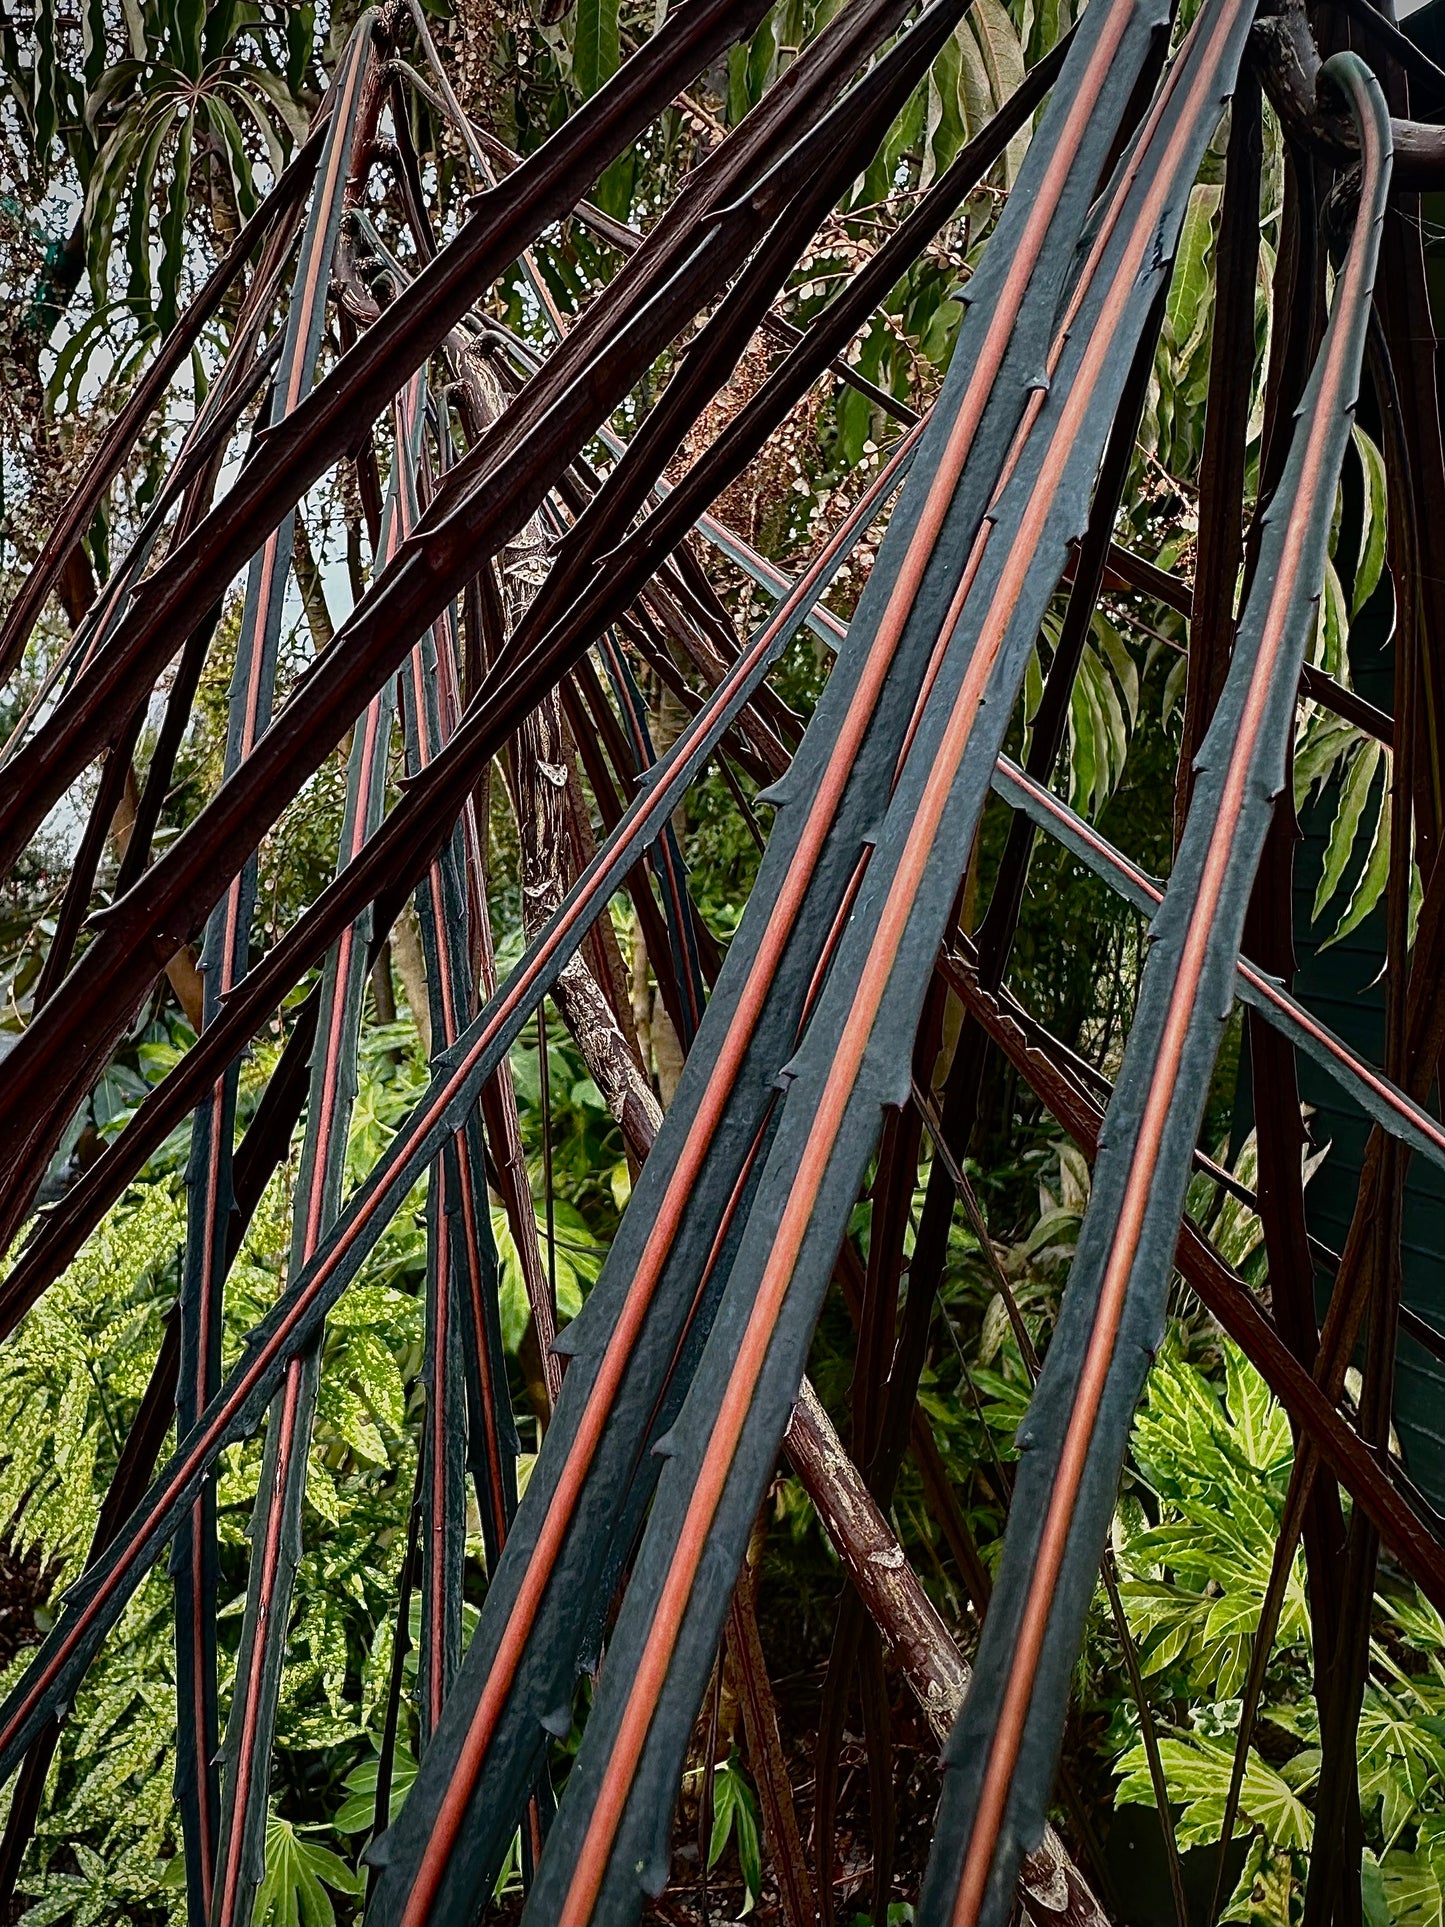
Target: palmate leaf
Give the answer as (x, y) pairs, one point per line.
(1001, 1756)
(1407, 1888)
(1198, 1770)
(1401, 1760)
(299, 1873)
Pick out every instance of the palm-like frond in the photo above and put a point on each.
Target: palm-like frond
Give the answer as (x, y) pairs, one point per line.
(532, 518)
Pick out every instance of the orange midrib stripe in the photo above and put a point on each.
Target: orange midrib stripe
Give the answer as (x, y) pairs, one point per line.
(612, 1795)
(1396, 1099)
(293, 1376)
(450, 1032)
(253, 1684)
(436, 1416)
(1098, 1359)
(309, 287)
(366, 1209)
(690, 1159)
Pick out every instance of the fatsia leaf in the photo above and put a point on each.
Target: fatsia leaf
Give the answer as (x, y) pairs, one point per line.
(1198, 1771)
(298, 1874)
(357, 1811)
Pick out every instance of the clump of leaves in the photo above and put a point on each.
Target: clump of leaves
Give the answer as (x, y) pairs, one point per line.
(1195, 1541)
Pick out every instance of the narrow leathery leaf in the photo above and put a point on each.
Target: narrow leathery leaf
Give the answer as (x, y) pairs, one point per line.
(469, 1278)
(173, 227)
(509, 217)
(186, 875)
(288, 1330)
(44, 102)
(1373, 877)
(276, 1520)
(1354, 794)
(1001, 1756)
(1371, 1089)
(274, 976)
(848, 1068)
(665, 859)
(650, 1281)
(90, 635)
(998, 42)
(1402, 1525)
(1190, 285)
(225, 960)
(1224, 456)
(278, 210)
(1371, 562)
